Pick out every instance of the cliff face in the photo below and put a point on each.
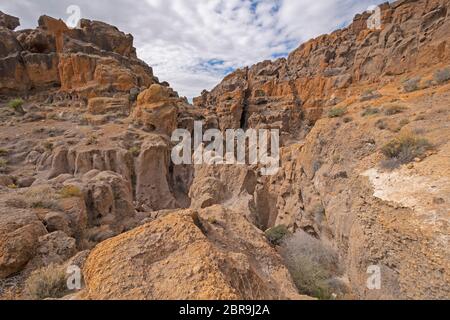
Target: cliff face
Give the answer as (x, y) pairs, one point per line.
(86, 177)
(338, 99)
(94, 59)
(325, 70)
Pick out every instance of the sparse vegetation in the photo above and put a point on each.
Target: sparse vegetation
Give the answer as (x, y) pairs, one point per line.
(370, 112)
(135, 151)
(92, 140)
(312, 264)
(337, 112)
(381, 124)
(48, 145)
(70, 192)
(16, 105)
(404, 149)
(36, 197)
(347, 119)
(47, 282)
(3, 164)
(277, 234)
(393, 110)
(442, 76)
(411, 85)
(3, 152)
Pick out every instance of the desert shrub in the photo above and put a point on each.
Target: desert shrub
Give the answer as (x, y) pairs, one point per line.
(3, 152)
(260, 93)
(48, 145)
(393, 110)
(411, 85)
(16, 105)
(276, 234)
(370, 112)
(381, 124)
(41, 197)
(337, 112)
(403, 122)
(311, 263)
(347, 119)
(442, 76)
(135, 151)
(70, 192)
(3, 164)
(47, 282)
(92, 140)
(404, 149)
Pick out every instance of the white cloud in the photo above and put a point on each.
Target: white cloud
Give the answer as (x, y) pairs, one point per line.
(193, 43)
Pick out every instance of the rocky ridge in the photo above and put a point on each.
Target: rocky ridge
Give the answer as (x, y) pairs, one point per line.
(87, 170)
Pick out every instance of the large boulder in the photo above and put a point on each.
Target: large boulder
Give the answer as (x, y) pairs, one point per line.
(209, 254)
(157, 109)
(8, 22)
(20, 231)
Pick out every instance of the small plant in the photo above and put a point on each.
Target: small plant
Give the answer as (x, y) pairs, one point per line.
(403, 123)
(370, 112)
(47, 282)
(16, 105)
(92, 140)
(411, 85)
(70, 192)
(135, 151)
(404, 149)
(41, 197)
(276, 234)
(13, 186)
(393, 110)
(3, 164)
(260, 93)
(48, 145)
(337, 112)
(442, 76)
(3, 152)
(347, 119)
(312, 264)
(381, 124)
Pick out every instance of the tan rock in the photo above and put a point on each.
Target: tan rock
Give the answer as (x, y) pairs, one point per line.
(179, 257)
(19, 239)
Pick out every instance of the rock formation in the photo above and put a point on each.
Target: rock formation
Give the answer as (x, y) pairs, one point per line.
(86, 177)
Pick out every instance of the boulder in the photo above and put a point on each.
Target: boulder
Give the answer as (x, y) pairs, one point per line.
(20, 231)
(213, 254)
(8, 22)
(157, 109)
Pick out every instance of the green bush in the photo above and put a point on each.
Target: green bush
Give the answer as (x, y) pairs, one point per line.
(442, 76)
(47, 282)
(337, 112)
(135, 151)
(276, 234)
(16, 105)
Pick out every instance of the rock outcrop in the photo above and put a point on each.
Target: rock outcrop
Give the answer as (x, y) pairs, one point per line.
(321, 72)
(210, 254)
(89, 61)
(87, 180)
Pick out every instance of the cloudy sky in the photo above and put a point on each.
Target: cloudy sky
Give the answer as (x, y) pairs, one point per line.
(193, 44)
